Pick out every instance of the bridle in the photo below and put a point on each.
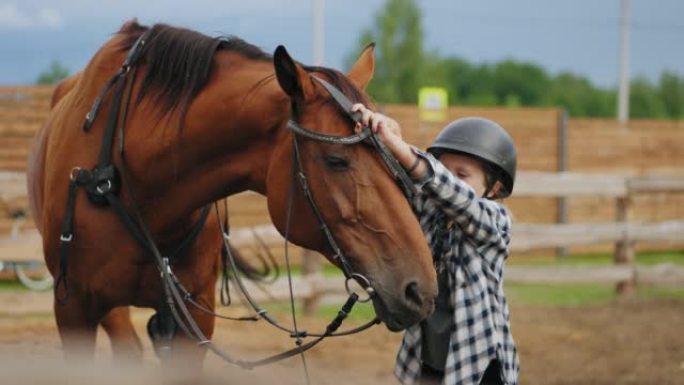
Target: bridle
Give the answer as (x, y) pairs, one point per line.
(366, 133)
(104, 181)
(395, 169)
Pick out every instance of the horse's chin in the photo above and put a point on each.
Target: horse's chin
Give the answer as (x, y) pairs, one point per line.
(392, 321)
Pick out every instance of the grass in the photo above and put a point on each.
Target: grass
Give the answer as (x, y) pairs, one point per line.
(516, 293)
(567, 295)
(558, 294)
(596, 259)
(580, 294)
(12, 285)
(361, 312)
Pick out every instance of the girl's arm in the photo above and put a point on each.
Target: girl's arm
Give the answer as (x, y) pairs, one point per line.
(485, 221)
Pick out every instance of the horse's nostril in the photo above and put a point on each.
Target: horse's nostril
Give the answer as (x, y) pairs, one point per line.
(413, 294)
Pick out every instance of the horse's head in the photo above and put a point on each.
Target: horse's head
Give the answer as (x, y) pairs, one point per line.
(367, 213)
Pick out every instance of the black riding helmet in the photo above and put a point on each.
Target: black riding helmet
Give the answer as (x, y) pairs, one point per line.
(486, 140)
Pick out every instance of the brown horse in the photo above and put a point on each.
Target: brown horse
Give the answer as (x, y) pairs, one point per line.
(208, 119)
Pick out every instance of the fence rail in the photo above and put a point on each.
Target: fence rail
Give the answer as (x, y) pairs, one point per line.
(25, 244)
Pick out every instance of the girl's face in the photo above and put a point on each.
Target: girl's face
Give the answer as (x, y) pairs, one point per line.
(467, 169)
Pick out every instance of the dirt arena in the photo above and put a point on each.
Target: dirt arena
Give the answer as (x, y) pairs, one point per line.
(627, 342)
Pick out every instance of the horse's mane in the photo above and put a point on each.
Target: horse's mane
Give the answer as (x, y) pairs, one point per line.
(179, 61)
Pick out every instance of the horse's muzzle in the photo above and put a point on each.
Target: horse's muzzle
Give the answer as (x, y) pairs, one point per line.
(411, 307)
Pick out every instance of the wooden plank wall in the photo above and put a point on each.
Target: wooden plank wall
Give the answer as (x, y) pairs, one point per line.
(595, 146)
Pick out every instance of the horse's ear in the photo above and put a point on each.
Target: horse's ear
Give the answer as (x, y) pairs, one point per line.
(362, 71)
(293, 79)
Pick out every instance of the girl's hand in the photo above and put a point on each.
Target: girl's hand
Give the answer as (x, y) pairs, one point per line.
(389, 132)
(386, 128)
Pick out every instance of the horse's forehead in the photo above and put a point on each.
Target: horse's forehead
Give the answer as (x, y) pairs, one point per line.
(331, 110)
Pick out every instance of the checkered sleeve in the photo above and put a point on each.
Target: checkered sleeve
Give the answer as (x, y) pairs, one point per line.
(419, 201)
(485, 221)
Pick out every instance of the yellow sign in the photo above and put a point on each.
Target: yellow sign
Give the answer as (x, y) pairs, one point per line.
(433, 103)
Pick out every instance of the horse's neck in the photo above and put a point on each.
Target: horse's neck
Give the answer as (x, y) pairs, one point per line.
(225, 146)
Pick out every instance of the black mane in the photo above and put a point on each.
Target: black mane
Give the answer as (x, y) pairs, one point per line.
(179, 61)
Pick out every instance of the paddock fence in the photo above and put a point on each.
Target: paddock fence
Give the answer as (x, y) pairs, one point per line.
(586, 185)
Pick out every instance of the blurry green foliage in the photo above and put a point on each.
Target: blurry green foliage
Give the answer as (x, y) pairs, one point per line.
(54, 74)
(403, 66)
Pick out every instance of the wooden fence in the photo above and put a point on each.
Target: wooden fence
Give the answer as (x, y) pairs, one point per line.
(25, 245)
(545, 139)
(624, 189)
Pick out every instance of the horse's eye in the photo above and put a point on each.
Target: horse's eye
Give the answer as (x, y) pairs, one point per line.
(336, 163)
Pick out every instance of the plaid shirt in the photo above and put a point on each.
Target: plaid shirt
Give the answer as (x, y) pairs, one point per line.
(475, 248)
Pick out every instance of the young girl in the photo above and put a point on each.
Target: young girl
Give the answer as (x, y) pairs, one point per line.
(470, 165)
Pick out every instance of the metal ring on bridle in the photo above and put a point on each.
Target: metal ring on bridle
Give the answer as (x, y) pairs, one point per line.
(74, 173)
(365, 284)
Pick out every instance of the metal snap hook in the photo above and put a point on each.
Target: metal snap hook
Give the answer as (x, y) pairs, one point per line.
(365, 285)
(104, 188)
(66, 238)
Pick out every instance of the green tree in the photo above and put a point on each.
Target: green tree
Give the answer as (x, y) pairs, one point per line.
(645, 101)
(435, 72)
(523, 83)
(54, 74)
(399, 52)
(671, 92)
(580, 98)
(459, 80)
(481, 90)
(402, 67)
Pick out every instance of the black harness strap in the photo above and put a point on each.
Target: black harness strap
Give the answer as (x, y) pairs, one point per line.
(90, 116)
(67, 236)
(133, 56)
(102, 183)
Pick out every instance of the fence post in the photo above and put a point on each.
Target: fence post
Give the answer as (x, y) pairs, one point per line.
(624, 248)
(562, 150)
(311, 267)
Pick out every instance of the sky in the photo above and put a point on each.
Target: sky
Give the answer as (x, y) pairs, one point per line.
(579, 36)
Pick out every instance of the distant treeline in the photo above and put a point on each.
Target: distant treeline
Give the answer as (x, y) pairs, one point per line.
(513, 83)
(403, 66)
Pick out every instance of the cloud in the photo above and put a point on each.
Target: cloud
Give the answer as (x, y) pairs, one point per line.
(13, 18)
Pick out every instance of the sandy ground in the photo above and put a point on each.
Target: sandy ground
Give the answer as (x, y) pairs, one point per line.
(627, 342)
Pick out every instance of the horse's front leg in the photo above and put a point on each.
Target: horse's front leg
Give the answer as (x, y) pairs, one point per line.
(126, 345)
(77, 320)
(182, 355)
(197, 270)
(191, 352)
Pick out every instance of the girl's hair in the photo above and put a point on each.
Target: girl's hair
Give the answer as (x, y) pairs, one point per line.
(493, 174)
